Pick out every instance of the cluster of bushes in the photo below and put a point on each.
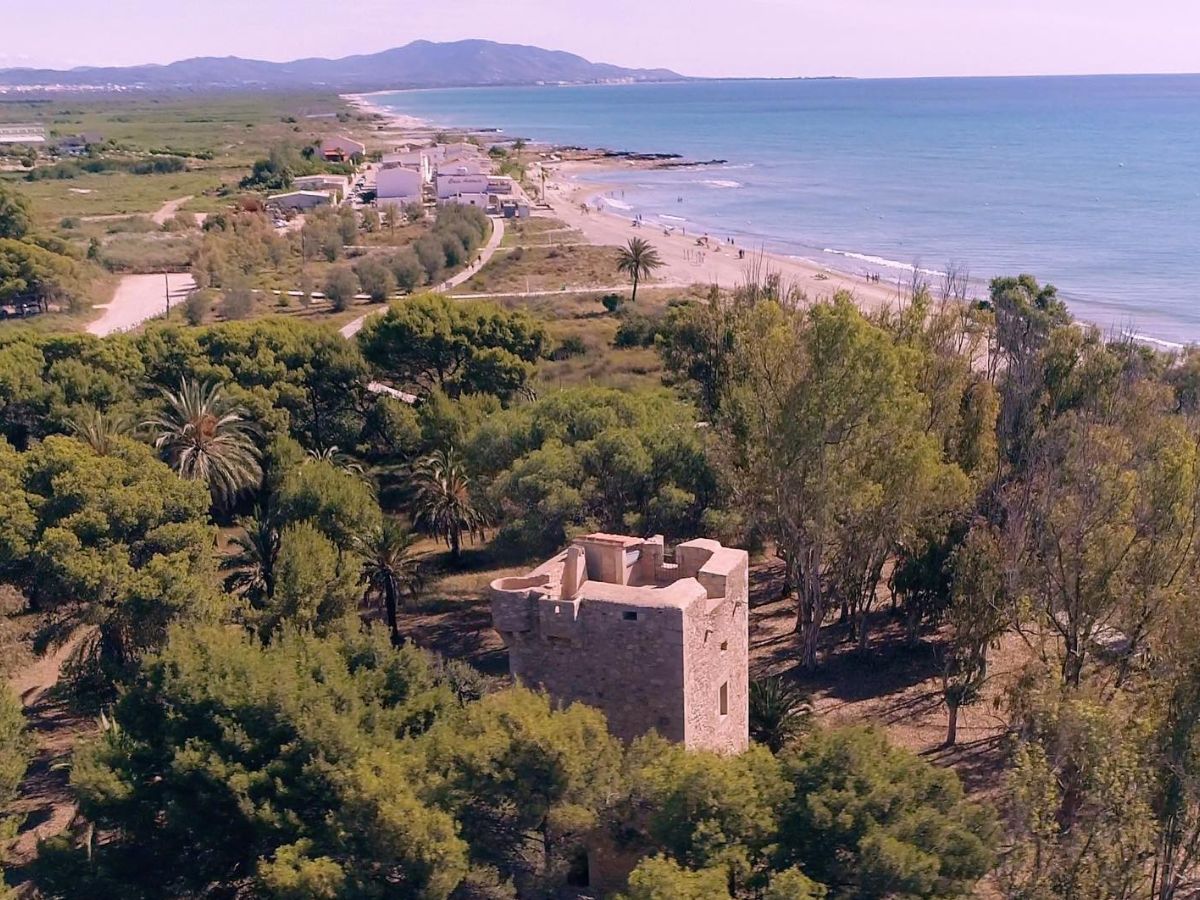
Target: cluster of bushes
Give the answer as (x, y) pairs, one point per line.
(68, 169)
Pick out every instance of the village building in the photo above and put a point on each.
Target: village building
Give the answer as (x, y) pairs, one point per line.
(337, 185)
(341, 149)
(300, 200)
(656, 642)
(454, 183)
(399, 184)
(22, 134)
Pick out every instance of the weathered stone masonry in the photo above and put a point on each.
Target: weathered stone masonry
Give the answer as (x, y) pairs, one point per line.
(654, 644)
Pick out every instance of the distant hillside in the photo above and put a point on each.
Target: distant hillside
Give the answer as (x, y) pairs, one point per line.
(419, 64)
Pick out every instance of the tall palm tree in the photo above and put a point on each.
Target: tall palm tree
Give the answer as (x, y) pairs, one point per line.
(638, 260)
(98, 430)
(389, 568)
(442, 504)
(251, 566)
(206, 437)
(779, 712)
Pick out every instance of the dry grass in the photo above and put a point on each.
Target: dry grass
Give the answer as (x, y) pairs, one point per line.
(546, 269)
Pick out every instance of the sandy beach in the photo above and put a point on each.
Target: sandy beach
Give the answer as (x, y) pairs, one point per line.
(571, 185)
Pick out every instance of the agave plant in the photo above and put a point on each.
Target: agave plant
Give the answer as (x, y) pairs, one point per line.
(442, 502)
(390, 571)
(779, 712)
(98, 430)
(206, 437)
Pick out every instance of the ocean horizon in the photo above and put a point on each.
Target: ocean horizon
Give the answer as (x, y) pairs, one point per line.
(1091, 183)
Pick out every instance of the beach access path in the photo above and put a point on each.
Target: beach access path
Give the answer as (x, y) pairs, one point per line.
(485, 255)
(139, 298)
(683, 260)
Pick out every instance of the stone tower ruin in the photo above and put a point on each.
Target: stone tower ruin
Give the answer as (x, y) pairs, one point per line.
(653, 642)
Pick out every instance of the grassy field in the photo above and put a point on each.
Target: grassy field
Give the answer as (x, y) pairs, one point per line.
(220, 137)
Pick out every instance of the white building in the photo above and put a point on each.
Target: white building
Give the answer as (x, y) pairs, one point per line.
(416, 160)
(483, 201)
(500, 184)
(335, 184)
(300, 200)
(452, 184)
(398, 183)
(22, 134)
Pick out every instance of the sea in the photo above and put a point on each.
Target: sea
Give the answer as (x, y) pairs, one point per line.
(1089, 183)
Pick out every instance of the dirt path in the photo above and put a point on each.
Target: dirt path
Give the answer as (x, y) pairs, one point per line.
(485, 255)
(167, 211)
(45, 795)
(138, 298)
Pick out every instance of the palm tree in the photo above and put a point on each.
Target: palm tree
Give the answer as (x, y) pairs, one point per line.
(779, 712)
(205, 437)
(638, 260)
(442, 504)
(389, 568)
(251, 566)
(98, 430)
(339, 460)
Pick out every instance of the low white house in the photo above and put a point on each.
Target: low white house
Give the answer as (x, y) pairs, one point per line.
(22, 134)
(300, 200)
(416, 160)
(500, 184)
(399, 184)
(483, 201)
(335, 184)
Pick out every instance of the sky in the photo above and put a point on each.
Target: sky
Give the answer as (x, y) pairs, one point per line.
(737, 38)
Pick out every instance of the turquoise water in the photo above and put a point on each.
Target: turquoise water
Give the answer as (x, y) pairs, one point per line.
(1092, 184)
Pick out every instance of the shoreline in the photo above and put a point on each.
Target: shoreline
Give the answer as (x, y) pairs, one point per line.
(684, 259)
(582, 178)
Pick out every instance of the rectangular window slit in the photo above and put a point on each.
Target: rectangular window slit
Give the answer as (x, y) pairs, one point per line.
(629, 616)
(724, 699)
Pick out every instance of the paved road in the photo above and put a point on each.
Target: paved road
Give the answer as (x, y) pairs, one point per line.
(138, 298)
(489, 249)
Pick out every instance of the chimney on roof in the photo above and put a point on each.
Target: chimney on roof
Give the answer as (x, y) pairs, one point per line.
(574, 573)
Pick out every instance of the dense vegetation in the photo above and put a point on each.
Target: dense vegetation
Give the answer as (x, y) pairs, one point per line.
(35, 270)
(271, 730)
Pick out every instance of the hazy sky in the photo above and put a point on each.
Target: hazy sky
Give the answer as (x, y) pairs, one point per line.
(696, 37)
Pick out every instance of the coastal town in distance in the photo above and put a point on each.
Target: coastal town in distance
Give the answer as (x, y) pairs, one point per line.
(447, 468)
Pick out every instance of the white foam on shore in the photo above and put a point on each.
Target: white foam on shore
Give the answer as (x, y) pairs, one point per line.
(672, 218)
(1157, 342)
(722, 183)
(616, 204)
(883, 262)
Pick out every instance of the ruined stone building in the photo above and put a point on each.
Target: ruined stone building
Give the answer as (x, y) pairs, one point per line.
(654, 643)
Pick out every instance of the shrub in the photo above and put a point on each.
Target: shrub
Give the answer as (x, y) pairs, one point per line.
(636, 331)
(237, 303)
(341, 287)
(573, 345)
(612, 302)
(196, 307)
(376, 278)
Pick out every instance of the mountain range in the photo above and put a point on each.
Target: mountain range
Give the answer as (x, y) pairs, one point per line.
(421, 64)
